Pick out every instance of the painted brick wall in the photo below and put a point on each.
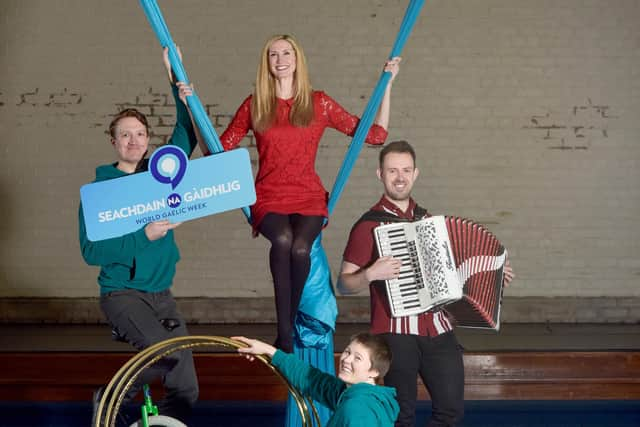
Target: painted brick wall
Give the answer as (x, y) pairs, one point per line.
(525, 116)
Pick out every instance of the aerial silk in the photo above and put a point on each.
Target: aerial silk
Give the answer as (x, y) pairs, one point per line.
(318, 308)
(198, 112)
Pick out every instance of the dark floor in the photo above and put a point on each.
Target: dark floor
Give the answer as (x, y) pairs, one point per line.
(242, 414)
(511, 337)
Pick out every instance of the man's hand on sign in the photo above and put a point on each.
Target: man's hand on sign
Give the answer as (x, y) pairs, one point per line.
(159, 229)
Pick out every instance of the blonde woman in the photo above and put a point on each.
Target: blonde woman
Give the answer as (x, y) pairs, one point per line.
(288, 118)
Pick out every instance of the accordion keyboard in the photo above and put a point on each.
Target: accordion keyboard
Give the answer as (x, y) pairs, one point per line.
(404, 291)
(427, 279)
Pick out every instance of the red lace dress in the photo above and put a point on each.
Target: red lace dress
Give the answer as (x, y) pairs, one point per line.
(287, 181)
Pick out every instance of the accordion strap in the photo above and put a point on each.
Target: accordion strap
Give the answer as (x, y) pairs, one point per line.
(384, 216)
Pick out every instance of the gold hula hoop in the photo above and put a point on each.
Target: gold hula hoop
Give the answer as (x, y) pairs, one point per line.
(126, 376)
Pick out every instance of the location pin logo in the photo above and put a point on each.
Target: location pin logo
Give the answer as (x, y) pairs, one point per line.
(168, 165)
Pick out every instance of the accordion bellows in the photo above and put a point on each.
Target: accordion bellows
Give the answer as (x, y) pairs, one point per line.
(446, 262)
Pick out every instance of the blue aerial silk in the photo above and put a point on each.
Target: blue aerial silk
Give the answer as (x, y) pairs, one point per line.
(318, 308)
(315, 290)
(155, 18)
(317, 312)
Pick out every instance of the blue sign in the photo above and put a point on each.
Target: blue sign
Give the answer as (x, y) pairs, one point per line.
(174, 189)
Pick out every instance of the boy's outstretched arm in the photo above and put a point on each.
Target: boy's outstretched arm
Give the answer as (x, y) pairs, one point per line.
(254, 348)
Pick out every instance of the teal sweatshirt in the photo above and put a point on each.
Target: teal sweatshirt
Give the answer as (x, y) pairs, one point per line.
(132, 261)
(361, 404)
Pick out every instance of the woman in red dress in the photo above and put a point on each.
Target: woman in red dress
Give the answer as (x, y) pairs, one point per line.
(288, 119)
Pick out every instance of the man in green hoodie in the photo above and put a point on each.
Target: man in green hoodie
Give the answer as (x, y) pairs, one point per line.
(137, 269)
(353, 395)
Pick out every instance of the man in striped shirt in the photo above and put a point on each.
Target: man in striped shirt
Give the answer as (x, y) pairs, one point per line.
(422, 344)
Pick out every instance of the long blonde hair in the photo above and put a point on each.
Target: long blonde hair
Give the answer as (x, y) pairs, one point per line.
(264, 103)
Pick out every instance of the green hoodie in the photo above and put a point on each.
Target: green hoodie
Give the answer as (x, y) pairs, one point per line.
(132, 261)
(361, 404)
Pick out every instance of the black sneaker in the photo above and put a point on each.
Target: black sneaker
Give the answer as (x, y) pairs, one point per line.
(122, 418)
(97, 397)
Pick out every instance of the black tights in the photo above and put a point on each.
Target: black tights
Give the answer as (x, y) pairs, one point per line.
(291, 238)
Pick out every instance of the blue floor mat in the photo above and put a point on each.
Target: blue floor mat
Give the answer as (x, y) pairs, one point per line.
(271, 414)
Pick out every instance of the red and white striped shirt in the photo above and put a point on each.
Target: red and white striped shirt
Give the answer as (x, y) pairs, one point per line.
(361, 251)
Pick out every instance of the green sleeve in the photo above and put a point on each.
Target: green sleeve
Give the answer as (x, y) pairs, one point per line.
(184, 135)
(320, 386)
(118, 250)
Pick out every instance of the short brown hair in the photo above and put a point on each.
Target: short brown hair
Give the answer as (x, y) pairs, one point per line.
(127, 112)
(400, 146)
(379, 352)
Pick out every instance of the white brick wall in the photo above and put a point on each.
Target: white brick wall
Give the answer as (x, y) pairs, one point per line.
(525, 116)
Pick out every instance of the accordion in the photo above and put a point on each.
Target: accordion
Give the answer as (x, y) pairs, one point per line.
(446, 262)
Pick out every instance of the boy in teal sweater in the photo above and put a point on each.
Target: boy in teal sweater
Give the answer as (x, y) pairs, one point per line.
(137, 269)
(353, 395)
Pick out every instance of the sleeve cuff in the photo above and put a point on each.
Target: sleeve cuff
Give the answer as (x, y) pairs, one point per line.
(141, 239)
(278, 357)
